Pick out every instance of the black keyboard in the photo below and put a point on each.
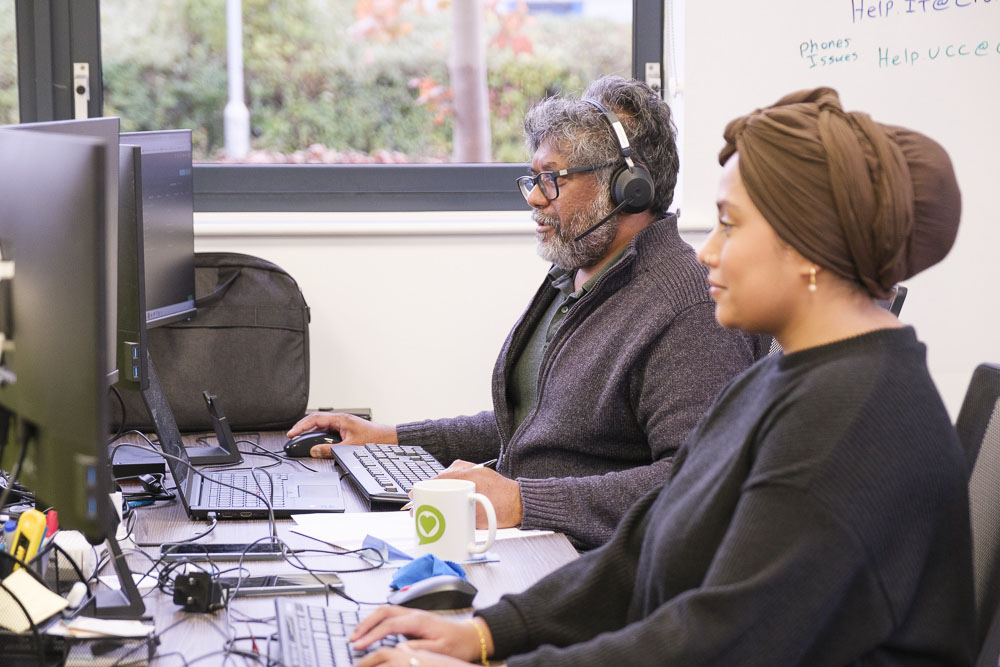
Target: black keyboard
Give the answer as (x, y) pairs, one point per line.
(385, 473)
(315, 636)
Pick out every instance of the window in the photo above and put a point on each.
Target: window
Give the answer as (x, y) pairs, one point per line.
(355, 81)
(355, 104)
(8, 70)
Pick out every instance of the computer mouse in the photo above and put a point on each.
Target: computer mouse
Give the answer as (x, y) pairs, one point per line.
(301, 445)
(445, 591)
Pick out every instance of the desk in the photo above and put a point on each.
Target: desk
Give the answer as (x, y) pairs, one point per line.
(522, 562)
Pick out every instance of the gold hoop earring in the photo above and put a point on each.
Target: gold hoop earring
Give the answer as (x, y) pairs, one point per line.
(812, 279)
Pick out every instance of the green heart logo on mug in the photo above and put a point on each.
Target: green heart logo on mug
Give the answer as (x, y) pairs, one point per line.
(430, 524)
(444, 519)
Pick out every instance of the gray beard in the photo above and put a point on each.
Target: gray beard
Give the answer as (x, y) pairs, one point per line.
(562, 250)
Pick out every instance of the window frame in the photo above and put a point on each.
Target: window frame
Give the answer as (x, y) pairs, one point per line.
(51, 34)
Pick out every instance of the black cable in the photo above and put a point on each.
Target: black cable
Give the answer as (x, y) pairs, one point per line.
(12, 479)
(152, 485)
(215, 522)
(165, 583)
(358, 603)
(292, 459)
(205, 477)
(121, 402)
(141, 643)
(290, 556)
(106, 559)
(21, 495)
(236, 466)
(270, 500)
(273, 637)
(156, 637)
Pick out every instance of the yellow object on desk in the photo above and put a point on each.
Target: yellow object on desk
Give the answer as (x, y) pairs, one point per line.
(28, 536)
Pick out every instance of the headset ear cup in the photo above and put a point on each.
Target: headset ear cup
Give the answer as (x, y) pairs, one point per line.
(633, 186)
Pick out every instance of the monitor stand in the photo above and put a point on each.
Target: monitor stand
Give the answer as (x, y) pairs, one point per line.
(123, 603)
(166, 427)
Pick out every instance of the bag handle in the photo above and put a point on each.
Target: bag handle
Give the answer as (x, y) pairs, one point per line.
(226, 278)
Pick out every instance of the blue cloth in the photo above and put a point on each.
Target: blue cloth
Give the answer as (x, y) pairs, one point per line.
(421, 568)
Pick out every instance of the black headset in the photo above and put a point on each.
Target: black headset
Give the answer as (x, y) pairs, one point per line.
(632, 187)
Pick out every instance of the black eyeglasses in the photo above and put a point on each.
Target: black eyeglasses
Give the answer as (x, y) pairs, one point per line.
(547, 181)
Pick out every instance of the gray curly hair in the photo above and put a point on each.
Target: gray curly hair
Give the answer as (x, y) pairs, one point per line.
(578, 131)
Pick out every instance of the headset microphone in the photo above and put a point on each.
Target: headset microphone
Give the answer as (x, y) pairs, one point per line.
(613, 213)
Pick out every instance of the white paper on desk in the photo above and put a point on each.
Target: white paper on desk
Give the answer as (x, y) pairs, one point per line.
(40, 602)
(85, 627)
(348, 530)
(143, 582)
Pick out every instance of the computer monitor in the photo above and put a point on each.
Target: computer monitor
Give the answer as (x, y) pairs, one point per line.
(131, 317)
(53, 396)
(52, 233)
(152, 241)
(105, 129)
(168, 223)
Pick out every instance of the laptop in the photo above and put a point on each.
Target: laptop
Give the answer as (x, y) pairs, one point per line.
(294, 492)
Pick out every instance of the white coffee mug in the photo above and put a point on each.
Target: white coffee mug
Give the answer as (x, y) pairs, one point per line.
(444, 515)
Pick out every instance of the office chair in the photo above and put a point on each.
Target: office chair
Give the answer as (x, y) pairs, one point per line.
(978, 429)
(893, 303)
(988, 654)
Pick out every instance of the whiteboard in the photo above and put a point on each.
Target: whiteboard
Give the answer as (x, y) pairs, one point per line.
(933, 65)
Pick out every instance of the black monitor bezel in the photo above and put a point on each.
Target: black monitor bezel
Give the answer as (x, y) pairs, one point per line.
(185, 308)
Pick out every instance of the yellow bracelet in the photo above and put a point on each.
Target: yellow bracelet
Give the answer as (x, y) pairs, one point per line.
(482, 642)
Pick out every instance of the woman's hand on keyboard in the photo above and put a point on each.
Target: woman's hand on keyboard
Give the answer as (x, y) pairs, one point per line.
(353, 430)
(426, 632)
(404, 656)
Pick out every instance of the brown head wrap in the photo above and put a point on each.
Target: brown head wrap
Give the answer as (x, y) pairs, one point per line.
(873, 203)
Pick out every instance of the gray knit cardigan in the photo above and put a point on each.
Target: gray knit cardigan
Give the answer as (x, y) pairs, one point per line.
(631, 369)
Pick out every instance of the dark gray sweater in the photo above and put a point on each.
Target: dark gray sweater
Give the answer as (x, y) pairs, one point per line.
(817, 516)
(633, 366)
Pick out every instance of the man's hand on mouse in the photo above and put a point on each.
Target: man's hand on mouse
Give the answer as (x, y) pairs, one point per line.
(353, 431)
(504, 493)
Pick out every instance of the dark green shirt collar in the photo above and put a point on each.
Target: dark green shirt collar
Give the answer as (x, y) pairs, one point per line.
(562, 279)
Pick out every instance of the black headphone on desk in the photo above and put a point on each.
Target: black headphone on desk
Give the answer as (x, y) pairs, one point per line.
(632, 187)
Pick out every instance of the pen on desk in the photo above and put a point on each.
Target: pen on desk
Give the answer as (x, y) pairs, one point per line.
(491, 464)
(51, 527)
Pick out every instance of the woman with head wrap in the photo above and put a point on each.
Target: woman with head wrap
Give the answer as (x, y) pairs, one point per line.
(818, 513)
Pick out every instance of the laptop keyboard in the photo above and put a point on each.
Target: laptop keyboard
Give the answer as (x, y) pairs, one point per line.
(224, 496)
(315, 636)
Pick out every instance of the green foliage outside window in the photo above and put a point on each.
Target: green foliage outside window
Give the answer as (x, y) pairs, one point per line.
(313, 77)
(8, 70)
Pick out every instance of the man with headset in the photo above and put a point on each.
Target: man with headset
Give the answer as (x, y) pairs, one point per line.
(618, 354)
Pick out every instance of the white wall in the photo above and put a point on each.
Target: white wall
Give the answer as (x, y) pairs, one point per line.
(408, 310)
(939, 92)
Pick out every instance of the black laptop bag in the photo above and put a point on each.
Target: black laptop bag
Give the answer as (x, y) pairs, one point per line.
(248, 344)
